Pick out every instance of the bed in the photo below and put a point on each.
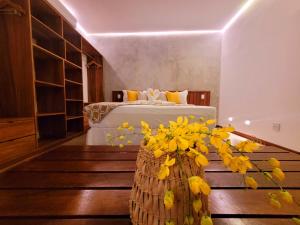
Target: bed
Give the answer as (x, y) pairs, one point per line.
(134, 113)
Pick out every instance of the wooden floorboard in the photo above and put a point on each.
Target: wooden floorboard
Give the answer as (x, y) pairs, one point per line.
(81, 185)
(48, 180)
(77, 166)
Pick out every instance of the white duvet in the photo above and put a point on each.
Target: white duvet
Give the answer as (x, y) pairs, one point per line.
(152, 114)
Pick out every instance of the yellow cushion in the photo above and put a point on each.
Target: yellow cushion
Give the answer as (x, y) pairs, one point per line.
(173, 97)
(132, 95)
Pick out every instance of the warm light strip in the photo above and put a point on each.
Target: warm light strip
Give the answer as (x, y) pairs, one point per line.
(163, 33)
(238, 14)
(155, 33)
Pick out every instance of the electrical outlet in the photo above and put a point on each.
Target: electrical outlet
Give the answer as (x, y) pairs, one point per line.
(276, 127)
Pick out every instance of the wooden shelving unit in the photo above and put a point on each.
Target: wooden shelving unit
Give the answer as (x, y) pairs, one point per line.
(41, 97)
(58, 73)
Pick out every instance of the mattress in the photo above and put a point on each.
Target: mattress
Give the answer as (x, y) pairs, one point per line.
(152, 114)
(133, 114)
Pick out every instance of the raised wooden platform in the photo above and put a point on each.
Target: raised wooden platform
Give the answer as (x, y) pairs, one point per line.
(90, 185)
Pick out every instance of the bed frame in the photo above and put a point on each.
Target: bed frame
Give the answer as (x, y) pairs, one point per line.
(194, 97)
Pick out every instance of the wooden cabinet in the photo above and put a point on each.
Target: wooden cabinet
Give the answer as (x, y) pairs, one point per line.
(41, 97)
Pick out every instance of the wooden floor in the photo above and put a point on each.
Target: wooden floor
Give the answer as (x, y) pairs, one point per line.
(90, 185)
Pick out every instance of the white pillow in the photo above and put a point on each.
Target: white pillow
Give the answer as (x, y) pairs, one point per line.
(162, 96)
(183, 96)
(142, 95)
(153, 94)
(125, 96)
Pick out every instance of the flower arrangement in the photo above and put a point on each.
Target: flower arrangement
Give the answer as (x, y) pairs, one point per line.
(194, 138)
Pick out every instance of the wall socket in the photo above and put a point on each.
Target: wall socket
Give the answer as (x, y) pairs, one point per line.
(276, 127)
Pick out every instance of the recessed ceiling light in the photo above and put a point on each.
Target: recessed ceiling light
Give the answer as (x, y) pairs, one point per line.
(230, 119)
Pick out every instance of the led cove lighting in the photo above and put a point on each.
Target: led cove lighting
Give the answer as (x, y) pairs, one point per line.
(247, 122)
(163, 33)
(238, 14)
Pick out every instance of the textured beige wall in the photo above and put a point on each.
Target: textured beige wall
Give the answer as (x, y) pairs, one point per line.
(165, 62)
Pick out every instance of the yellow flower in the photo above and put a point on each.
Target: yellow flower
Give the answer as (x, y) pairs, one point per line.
(188, 220)
(120, 128)
(169, 199)
(201, 160)
(286, 196)
(274, 202)
(197, 185)
(170, 222)
(129, 142)
(131, 128)
(274, 162)
(191, 117)
(121, 146)
(251, 182)
(278, 174)
(179, 120)
(296, 220)
(164, 168)
(197, 205)
(210, 122)
(203, 149)
(172, 145)
(158, 153)
(268, 176)
(206, 220)
(125, 125)
(163, 172)
(247, 146)
(122, 137)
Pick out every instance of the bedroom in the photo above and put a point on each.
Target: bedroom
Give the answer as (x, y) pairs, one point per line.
(238, 60)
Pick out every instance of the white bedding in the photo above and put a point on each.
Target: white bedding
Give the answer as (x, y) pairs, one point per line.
(152, 114)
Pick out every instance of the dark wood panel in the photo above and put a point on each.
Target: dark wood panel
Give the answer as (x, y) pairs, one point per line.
(115, 221)
(16, 95)
(77, 155)
(77, 166)
(98, 148)
(286, 166)
(255, 221)
(63, 202)
(124, 180)
(236, 180)
(66, 180)
(115, 202)
(250, 202)
(13, 128)
(16, 149)
(107, 221)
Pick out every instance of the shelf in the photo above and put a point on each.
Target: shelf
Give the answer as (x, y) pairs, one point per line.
(49, 99)
(70, 82)
(46, 38)
(71, 35)
(50, 114)
(44, 12)
(42, 25)
(74, 108)
(75, 125)
(73, 55)
(74, 117)
(45, 53)
(74, 100)
(44, 83)
(51, 127)
(71, 65)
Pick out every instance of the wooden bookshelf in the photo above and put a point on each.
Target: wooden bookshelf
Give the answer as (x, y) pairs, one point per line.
(58, 74)
(41, 78)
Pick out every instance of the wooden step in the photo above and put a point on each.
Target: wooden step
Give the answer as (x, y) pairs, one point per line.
(77, 166)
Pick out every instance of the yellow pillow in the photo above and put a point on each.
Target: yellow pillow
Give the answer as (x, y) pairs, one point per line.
(173, 97)
(132, 95)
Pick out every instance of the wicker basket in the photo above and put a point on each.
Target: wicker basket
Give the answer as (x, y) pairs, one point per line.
(147, 195)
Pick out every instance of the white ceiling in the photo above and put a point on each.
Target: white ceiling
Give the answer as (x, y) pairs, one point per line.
(115, 16)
